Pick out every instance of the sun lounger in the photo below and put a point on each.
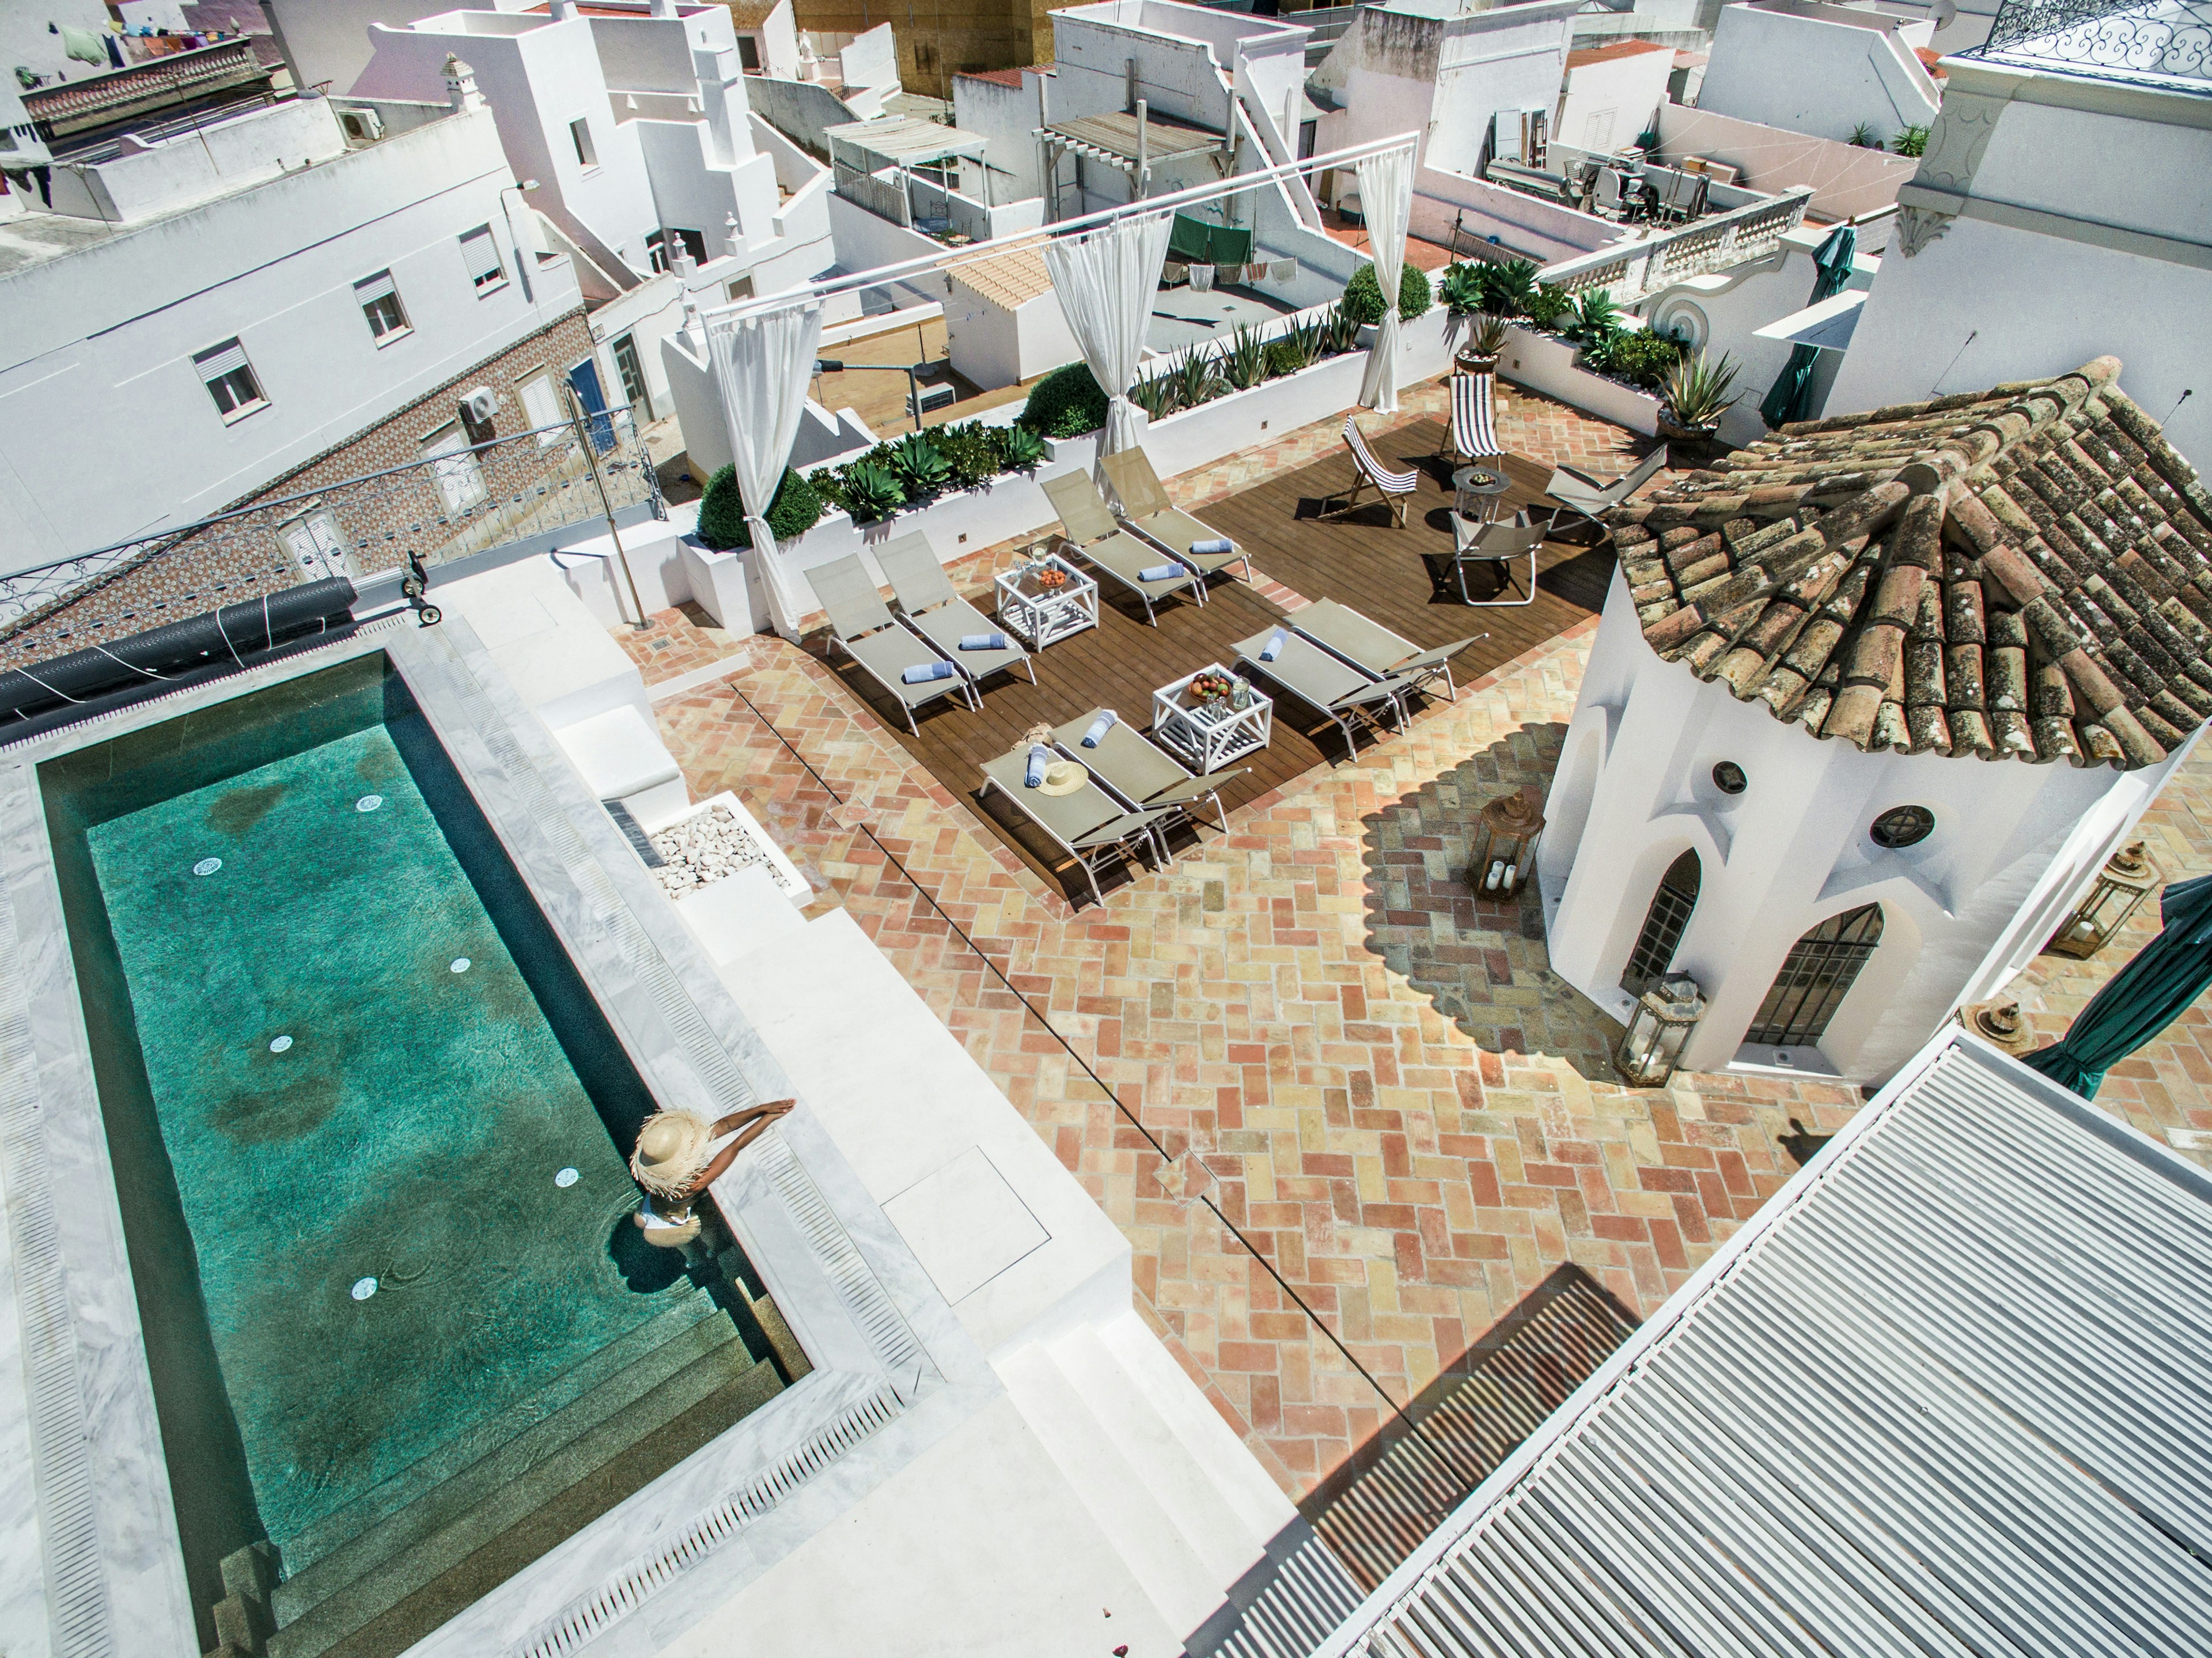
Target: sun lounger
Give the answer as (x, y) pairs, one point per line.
(1140, 771)
(1583, 498)
(936, 611)
(1393, 486)
(1090, 530)
(1368, 645)
(863, 625)
(1497, 545)
(1472, 432)
(1090, 824)
(1146, 509)
(1324, 679)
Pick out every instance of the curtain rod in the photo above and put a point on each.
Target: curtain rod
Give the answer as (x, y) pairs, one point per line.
(953, 258)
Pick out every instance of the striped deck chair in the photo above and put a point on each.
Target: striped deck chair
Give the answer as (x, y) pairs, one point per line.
(1392, 487)
(1472, 432)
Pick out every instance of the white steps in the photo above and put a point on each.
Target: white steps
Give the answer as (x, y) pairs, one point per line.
(1183, 1503)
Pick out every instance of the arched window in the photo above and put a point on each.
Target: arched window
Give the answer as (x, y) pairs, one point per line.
(1662, 926)
(1815, 977)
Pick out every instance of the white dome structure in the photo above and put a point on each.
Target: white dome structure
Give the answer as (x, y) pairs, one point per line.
(1870, 704)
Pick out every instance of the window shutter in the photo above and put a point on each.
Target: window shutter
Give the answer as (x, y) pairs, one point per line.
(482, 254)
(221, 360)
(372, 288)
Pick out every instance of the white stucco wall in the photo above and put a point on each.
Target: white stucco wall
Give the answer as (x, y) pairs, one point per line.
(220, 157)
(2087, 229)
(1816, 68)
(100, 340)
(1006, 116)
(1606, 104)
(1962, 911)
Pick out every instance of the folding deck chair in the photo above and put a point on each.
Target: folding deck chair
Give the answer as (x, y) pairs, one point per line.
(863, 625)
(1090, 530)
(1368, 645)
(1146, 510)
(1392, 487)
(1583, 497)
(1472, 432)
(936, 611)
(1497, 545)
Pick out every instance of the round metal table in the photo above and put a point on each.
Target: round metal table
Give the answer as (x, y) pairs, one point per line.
(1477, 491)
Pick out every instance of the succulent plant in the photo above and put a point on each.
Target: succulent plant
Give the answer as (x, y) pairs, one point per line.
(1698, 391)
(921, 470)
(1487, 336)
(1155, 394)
(871, 491)
(1463, 289)
(1022, 448)
(1243, 360)
(1197, 378)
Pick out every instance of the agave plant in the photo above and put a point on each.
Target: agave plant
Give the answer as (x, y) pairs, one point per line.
(1302, 344)
(1913, 141)
(921, 468)
(1508, 288)
(1594, 319)
(1022, 448)
(1244, 360)
(1486, 337)
(1197, 378)
(1864, 137)
(1340, 330)
(1155, 394)
(871, 491)
(1464, 290)
(1698, 391)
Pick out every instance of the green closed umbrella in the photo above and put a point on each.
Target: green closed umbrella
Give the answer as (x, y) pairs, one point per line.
(2144, 998)
(1791, 395)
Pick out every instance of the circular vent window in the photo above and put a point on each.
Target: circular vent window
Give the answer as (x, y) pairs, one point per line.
(1902, 826)
(1728, 778)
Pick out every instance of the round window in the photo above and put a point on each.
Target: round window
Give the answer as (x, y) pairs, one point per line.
(1728, 778)
(1902, 826)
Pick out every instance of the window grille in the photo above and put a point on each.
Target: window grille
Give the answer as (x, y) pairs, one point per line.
(1818, 973)
(1664, 924)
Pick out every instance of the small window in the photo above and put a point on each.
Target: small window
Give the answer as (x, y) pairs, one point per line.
(541, 406)
(580, 134)
(380, 302)
(632, 373)
(749, 51)
(740, 288)
(1664, 924)
(460, 479)
(1816, 976)
(230, 380)
(1902, 826)
(481, 255)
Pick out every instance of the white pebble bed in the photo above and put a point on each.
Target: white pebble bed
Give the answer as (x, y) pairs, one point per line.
(704, 848)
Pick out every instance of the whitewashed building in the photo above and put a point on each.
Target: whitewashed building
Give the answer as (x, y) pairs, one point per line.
(1867, 708)
(1825, 69)
(2064, 207)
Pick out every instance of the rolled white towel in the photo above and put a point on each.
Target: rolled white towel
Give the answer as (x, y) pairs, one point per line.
(990, 641)
(1097, 729)
(922, 672)
(1219, 544)
(1160, 573)
(1274, 647)
(1040, 757)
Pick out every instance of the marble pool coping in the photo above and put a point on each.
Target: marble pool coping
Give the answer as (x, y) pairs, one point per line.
(89, 1557)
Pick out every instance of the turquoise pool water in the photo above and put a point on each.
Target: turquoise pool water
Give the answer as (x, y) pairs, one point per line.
(369, 1134)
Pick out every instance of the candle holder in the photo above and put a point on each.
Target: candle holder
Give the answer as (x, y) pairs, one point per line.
(1506, 836)
(2129, 876)
(1651, 1049)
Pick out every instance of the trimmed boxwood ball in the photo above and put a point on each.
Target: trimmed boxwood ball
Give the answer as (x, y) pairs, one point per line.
(1066, 404)
(722, 511)
(1363, 294)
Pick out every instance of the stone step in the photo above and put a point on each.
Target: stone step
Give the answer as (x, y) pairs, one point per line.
(334, 1530)
(390, 1609)
(632, 1385)
(1142, 1530)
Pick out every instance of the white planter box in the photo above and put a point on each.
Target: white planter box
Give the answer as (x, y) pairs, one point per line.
(1546, 363)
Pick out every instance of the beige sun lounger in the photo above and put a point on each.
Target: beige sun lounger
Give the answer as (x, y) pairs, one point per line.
(1585, 499)
(862, 625)
(1324, 680)
(1090, 824)
(1368, 644)
(1146, 509)
(935, 610)
(1090, 530)
(1143, 773)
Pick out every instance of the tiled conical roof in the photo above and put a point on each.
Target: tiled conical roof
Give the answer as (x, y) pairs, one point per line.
(2024, 573)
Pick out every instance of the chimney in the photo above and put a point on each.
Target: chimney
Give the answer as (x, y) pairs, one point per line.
(461, 86)
(562, 10)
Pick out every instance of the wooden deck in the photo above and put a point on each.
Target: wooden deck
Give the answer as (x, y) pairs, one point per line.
(1361, 561)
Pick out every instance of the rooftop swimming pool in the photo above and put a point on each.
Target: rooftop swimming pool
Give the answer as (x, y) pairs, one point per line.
(368, 1130)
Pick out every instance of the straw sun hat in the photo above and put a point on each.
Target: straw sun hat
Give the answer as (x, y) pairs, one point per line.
(672, 1147)
(1061, 776)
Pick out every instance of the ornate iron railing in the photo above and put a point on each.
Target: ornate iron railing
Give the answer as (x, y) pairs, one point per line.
(2169, 39)
(433, 511)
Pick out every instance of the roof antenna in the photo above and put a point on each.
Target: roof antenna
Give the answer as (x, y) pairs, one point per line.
(2186, 393)
(1954, 363)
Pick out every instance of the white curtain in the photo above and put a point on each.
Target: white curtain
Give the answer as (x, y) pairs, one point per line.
(1105, 282)
(1386, 197)
(763, 363)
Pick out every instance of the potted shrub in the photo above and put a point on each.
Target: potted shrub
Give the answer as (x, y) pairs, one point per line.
(1697, 393)
(1485, 339)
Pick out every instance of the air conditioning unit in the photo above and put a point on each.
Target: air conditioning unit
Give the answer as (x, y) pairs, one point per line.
(362, 126)
(480, 405)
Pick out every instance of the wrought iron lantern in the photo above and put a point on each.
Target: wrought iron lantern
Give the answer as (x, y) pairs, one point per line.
(1506, 836)
(1658, 1031)
(2129, 877)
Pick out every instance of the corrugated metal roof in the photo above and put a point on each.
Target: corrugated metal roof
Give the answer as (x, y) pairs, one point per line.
(898, 140)
(1949, 1394)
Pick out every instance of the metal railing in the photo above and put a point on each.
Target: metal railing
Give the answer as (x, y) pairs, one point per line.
(2171, 38)
(435, 510)
(1628, 271)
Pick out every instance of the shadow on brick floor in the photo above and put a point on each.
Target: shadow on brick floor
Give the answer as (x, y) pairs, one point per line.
(1482, 960)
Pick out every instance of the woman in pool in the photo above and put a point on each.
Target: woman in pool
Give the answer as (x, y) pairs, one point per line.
(675, 1161)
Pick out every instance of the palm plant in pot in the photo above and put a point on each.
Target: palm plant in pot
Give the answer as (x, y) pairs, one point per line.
(1696, 393)
(1485, 339)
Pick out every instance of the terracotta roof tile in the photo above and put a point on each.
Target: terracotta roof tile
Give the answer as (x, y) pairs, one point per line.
(2021, 573)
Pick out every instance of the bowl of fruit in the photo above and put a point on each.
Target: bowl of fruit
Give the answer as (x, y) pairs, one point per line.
(1050, 578)
(1210, 689)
